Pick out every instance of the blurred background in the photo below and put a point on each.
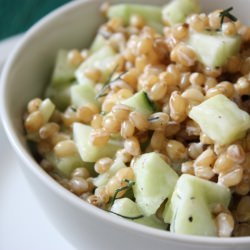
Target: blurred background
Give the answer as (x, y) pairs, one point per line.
(16, 16)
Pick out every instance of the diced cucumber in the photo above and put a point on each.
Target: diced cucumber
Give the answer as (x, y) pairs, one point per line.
(87, 151)
(59, 95)
(64, 166)
(47, 108)
(104, 59)
(140, 102)
(193, 217)
(128, 208)
(151, 14)
(98, 43)
(82, 94)
(177, 11)
(154, 182)
(102, 179)
(152, 221)
(189, 210)
(213, 48)
(221, 119)
(63, 71)
(62, 78)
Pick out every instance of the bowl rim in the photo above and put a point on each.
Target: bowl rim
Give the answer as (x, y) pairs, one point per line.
(28, 160)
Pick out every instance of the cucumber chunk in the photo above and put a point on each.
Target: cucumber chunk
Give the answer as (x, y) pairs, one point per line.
(188, 218)
(128, 208)
(63, 72)
(82, 94)
(62, 78)
(154, 182)
(64, 166)
(221, 119)
(213, 48)
(59, 95)
(102, 179)
(140, 102)
(177, 11)
(98, 43)
(88, 152)
(189, 210)
(104, 59)
(151, 14)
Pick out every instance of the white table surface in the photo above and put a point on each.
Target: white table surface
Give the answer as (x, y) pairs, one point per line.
(23, 224)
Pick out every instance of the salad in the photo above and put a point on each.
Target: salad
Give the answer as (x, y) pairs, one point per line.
(151, 122)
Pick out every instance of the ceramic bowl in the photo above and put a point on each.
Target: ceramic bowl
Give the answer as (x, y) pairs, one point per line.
(24, 77)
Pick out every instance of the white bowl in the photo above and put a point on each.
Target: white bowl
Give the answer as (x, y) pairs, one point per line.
(24, 77)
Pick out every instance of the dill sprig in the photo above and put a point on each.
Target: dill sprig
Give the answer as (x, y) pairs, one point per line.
(226, 13)
(128, 217)
(73, 108)
(151, 119)
(107, 83)
(126, 188)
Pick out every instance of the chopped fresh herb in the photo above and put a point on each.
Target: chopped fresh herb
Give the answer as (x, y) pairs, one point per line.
(73, 108)
(145, 144)
(100, 95)
(106, 85)
(127, 217)
(111, 75)
(128, 187)
(226, 13)
(103, 113)
(153, 118)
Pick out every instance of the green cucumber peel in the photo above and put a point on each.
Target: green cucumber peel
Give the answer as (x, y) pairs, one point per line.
(150, 102)
(127, 217)
(226, 13)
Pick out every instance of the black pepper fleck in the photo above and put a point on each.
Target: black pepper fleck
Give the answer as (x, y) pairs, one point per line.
(190, 218)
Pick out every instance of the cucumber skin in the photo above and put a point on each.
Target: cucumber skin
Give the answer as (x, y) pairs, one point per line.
(221, 119)
(87, 151)
(151, 14)
(154, 182)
